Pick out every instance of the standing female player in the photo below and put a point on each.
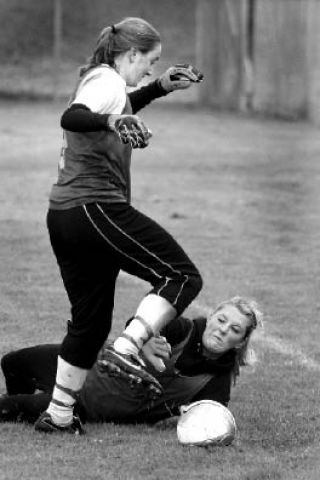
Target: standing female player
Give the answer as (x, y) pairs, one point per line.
(95, 232)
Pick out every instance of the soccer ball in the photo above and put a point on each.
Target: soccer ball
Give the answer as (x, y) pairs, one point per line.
(205, 423)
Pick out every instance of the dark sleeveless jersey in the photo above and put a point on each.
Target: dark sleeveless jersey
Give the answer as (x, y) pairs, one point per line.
(95, 166)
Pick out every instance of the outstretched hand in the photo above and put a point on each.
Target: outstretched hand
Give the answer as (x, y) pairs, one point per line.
(130, 130)
(179, 77)
(155, 351)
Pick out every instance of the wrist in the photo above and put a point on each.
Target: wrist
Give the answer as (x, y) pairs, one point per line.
(110, 120)
(161, 87)
(105, 120)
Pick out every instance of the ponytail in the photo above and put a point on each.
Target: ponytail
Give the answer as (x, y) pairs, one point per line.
(103, 52)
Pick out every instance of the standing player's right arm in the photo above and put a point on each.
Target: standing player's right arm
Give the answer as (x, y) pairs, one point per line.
(79, 118)
(100, 94)
(129, 128)
(99, 104)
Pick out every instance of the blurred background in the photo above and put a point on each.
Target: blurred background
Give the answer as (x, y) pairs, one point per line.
(258, 56)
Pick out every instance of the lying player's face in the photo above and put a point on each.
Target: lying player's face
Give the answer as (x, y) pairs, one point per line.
(142, 64)
(225, 329)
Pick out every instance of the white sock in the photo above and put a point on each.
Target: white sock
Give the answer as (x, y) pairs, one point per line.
(133, 338)
(153, 313)
(69, 381)
(156, 311)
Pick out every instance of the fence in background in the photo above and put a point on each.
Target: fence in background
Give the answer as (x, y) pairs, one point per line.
(257, 55)
(261, 55)
(221, 51)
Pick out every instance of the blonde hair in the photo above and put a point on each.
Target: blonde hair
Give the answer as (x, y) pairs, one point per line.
(119, 38)
(249, 308)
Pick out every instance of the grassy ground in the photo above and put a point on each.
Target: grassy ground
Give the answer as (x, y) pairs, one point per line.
(242, 197)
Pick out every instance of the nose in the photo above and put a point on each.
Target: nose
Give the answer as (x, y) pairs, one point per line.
(224, 328)
(149, 70)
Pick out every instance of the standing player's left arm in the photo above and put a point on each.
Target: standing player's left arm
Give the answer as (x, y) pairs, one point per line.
(177, 77)
(145, 95)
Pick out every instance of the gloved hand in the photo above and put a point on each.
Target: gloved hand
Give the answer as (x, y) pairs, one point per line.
(155, 351)
(130, 129)
(180, 76)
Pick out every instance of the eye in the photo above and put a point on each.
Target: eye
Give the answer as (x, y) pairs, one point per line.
(221, 319)
(236, 330)
(154, 60)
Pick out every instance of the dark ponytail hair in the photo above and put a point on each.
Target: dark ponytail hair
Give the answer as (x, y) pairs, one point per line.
(119, 38)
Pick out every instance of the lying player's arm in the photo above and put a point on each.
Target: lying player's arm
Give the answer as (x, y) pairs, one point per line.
(156, 347)
(177, 330)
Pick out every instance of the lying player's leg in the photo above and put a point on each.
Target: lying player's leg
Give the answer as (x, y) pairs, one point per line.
(26, 371)
(23, 407)
(29, 369)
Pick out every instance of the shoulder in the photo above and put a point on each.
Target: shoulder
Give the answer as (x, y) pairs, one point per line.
(103, 78)
(198, 326)
(103, 73)
(102, 90)
(177, 330)
(182, 327)
(199, 323)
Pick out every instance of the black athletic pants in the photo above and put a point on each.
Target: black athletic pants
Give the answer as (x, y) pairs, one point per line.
(92, 243)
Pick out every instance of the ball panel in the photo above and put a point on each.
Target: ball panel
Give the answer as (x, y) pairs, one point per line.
(206, 423)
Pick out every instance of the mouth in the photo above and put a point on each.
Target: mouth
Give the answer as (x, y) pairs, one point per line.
(218, 338)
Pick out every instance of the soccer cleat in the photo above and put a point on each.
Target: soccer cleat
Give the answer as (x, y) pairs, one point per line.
(130, 367)
(46, 424)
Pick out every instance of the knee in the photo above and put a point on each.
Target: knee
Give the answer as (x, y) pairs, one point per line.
(195, 283)
(7, 362)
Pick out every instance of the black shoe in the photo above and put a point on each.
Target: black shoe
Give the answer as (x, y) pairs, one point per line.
(130, 367)
(47, 425)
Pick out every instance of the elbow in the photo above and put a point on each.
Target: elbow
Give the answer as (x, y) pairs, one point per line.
(64, 121)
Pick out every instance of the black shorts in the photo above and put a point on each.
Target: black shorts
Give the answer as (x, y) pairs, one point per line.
(104, 398)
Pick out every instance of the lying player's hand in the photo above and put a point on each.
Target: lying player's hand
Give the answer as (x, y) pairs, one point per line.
(155, 351)
(180, 76)
(130, 130)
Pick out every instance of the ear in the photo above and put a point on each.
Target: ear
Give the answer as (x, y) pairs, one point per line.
(132, 53)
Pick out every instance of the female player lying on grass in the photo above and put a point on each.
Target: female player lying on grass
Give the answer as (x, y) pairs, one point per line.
(203, 358)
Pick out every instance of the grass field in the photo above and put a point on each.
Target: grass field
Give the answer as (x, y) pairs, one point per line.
(242, 196)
